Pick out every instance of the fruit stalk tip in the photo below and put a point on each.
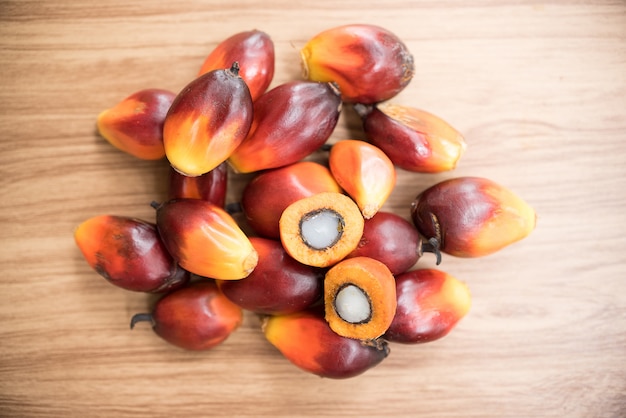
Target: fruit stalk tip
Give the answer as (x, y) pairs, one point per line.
(141, 317)
(235, 68)
(234, 207)
(432, 246)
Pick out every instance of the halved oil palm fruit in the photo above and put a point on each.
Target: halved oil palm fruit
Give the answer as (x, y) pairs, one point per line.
(472, 216)
(206, 122)
(413, 139)
(205, 239)
(364, 172)
(306, 340)
(290, 122)
(129, 253)
(135, 125)
(369, 63)
(430, 304)
(359, 298)
(268, 194)
(322, 229)
(254, 50)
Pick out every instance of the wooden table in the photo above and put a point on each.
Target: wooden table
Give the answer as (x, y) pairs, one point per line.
(538, 89)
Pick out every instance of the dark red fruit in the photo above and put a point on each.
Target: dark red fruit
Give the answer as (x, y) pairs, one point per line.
(278, 284)
(290, 122)
(129, 253)
(196, 317)
(210, 186)
(430, 304)
(392, 240)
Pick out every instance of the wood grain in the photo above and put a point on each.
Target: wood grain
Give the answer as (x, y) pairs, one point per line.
(537, 87)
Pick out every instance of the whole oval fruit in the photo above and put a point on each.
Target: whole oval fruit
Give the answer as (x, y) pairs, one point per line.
(129, 253)
(364, 172)
(135, 125)
(430, 304)
(278, 284)
(392, 240)
(205, 239)
(472, 216)
(307, 341)
(254, 51)
(290, 122)
(195, 317)
(369, 63)
(413, 139)
(207, 120)
(269, 193)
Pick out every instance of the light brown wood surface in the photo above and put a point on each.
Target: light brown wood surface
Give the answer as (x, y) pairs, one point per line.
(539, 91)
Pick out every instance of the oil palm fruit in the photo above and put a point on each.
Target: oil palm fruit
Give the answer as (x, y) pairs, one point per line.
(135, 124)
(129, 253)
(472, 216)
(205, 239)
(430, 304)
(278, 285)
(254, 50)
(195, 317)
(306, 340)
(359, 298)
(209, 186)
(369, 63)
(269, 193)
(290, 122)
(394, 241)
(322, 229)
(413, 139)
(364, 172)
(207, 120)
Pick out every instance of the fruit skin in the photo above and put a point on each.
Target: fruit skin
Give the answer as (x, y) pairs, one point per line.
(430, 304)
(369, 63)
(254, 50)
(413, 139)
(135, 124)
(472, 216)
(207, 120)
(390, 239)
(376, 281)
(210, 186)
(129, 253)
(364, 172)
(307, 341)
(268, 194)
(195, 317)
(205, 239)
(290, 122)
(278, 285)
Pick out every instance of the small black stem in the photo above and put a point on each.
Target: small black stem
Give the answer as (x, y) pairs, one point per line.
(155, 204)
(326, 147)
(432, 246)
(235, 68)
(141, 317)
(234, 207)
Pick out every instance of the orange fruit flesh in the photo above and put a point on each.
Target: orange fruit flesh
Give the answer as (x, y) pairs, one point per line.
(306, 228)
(377, 286)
